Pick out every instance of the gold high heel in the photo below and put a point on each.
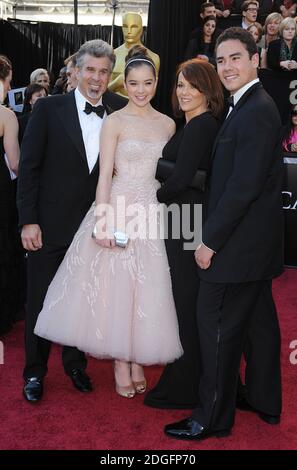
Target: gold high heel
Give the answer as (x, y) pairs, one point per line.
(126, 391)
(140, 386)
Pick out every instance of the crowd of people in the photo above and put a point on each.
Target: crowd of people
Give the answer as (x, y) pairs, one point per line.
(101, 284)
(276, 38)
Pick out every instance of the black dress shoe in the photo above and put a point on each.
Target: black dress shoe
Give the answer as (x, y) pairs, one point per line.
(33, 389)
(81, 380)
(191, 429)
(269, 419)
(243, 404)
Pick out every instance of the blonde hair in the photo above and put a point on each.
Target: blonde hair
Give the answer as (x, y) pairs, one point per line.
(270, 18)
(286, 22)
(36, 73)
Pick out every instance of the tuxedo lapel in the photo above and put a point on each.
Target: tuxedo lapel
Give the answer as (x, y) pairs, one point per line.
(109, 110)
(68, 114)
(107, 100)
(234, 112)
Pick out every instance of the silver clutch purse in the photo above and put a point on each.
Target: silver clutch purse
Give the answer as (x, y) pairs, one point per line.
(121, 238)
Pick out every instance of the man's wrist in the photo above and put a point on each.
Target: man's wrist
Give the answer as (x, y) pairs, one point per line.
(210, 249)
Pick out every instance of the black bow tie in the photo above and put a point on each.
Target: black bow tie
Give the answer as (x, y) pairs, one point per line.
(230, 101)
(99, 110)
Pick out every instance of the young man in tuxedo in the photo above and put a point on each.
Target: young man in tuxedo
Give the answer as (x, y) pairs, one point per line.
(57, 183)
(241, 252)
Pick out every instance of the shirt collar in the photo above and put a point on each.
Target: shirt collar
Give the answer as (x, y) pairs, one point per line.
(81, 100)
(242, 90)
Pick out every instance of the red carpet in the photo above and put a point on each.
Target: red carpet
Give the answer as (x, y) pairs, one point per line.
(67, 419)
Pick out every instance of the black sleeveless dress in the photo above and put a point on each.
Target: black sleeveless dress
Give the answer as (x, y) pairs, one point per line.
(178, 386)
(8, 261)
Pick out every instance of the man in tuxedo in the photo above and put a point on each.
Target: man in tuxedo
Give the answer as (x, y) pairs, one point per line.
(57, 184)
(241, 252)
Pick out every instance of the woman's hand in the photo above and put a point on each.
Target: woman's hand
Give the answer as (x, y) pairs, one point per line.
(105, 240)
(294, 147)
(292, 65)
(285, 64)
(103, 237)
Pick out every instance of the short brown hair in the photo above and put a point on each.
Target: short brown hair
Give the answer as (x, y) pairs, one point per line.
(71, 58)
(247, 3)
(5, 67)
(206, 5)
(202, 76)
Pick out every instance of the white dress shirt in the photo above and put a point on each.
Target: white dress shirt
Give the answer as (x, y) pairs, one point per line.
(91, 127)
(241, 92)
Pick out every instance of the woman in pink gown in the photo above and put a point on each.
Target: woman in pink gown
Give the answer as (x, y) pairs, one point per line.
(109, 301)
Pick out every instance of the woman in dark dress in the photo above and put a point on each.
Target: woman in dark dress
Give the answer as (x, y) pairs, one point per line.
(32, 93)
(203, 45)
(9, 147)
(198, 96)
(282, 53)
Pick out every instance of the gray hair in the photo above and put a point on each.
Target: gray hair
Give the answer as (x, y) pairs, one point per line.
(35, 74)
(95, 48)
(285, 23)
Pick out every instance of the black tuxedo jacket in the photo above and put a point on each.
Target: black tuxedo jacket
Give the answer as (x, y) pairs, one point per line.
(55, 188)
(245, 219)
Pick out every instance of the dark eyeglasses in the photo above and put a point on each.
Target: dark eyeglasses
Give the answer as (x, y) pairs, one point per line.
(294, 112)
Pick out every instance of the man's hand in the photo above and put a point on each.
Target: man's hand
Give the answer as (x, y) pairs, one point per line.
(203, 57)
(226, 13)
(203, 256)
(31, 237)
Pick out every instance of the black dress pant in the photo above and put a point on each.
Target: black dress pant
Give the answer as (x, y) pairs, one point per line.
(233, 318)
(42, 267)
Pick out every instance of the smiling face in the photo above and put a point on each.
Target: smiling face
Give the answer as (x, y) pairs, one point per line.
(141, 85)
(132, 28)
(273, 27)
(235, 68)
(43, 79)
(93, 77)
(191, 100)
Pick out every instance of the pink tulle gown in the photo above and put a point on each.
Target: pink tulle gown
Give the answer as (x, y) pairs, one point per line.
(118, 303)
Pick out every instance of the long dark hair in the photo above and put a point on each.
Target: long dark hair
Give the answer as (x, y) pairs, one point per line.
(215, 33)
(136, 57)
(5, 67)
